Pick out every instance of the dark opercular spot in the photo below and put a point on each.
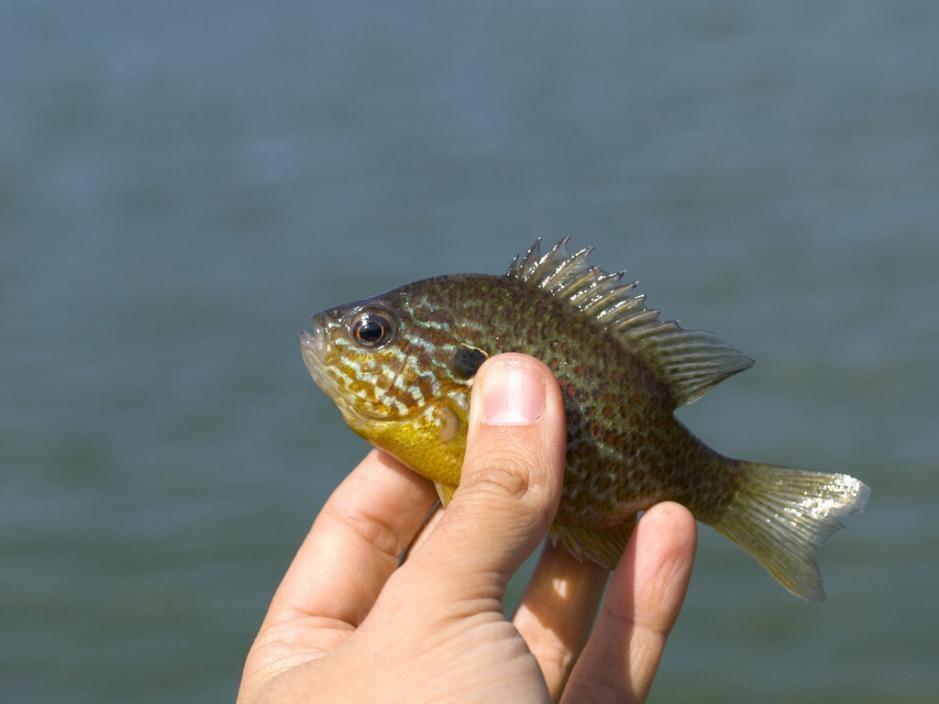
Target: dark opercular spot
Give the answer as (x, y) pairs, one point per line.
(466, 361)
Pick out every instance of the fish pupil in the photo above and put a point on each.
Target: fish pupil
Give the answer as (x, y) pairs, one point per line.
(372, 330)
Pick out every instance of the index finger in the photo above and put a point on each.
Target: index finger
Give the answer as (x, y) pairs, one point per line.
(354, 544)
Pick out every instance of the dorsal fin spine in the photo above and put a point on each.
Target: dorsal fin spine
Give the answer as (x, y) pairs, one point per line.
(688, 362)
(640, 320)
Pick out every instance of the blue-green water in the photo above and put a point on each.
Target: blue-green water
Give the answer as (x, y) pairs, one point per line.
(181, 184)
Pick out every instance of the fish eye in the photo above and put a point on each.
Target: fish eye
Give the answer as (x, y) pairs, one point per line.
(372, 329)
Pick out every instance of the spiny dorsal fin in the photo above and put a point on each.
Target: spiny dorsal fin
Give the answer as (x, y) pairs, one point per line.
(688, 361)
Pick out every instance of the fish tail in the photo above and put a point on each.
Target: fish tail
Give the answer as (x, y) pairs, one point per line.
(781, 516)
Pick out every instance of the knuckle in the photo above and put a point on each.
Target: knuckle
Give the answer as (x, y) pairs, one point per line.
(507, 469)
(369, 528)
(554, 654)
(502, 481)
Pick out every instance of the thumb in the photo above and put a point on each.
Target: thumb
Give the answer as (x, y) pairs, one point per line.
(512, 475)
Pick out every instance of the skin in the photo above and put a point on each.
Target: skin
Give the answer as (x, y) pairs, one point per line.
(347, 624)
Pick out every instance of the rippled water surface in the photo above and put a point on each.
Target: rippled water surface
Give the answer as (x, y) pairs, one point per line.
(182, 184)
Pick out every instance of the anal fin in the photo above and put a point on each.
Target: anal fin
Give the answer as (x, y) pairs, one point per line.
(603, 547)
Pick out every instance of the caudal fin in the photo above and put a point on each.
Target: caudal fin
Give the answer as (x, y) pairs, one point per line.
(781, 515)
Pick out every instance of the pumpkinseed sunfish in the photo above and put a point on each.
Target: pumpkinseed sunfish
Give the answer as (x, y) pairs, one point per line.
(400, 367)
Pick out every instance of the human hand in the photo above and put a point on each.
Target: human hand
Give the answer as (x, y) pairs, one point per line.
(347, 624)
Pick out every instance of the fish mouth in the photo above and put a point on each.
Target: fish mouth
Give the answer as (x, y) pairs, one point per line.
(313, 350)
(318, 355)
(312, 343)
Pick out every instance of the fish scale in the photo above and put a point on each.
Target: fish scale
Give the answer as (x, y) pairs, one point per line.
(622, 373)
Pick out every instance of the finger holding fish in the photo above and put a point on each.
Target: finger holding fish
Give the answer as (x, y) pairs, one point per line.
(556, 612)
(642, 602)
(511, 481)
(354, 544)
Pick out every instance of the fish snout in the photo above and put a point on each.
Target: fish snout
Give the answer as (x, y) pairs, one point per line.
(314, 344)
(314, 349)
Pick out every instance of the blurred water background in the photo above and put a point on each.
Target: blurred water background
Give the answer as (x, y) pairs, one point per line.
(182, 184)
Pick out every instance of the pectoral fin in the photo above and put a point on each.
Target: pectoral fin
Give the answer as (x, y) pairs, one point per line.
(445, 492)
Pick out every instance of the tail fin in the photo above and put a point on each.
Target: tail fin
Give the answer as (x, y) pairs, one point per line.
(780, 516)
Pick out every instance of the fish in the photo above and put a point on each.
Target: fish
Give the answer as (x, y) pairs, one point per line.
(400, 365)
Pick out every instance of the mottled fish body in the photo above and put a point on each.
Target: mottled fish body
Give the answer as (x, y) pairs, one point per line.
(400, 366)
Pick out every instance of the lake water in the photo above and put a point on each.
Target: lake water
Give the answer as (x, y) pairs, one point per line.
(182, 184)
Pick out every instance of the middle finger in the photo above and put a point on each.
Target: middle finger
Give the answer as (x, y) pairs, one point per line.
(557, 611)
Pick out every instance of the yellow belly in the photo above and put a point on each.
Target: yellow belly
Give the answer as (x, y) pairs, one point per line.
(431, 443)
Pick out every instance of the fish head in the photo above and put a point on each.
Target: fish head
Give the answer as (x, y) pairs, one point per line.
(399, 366)
(355, 354)
(392, 358)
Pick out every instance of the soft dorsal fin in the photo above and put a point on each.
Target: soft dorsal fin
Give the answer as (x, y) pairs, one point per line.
(688, 361)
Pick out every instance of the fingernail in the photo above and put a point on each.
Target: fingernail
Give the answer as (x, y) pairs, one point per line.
(513, 394)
